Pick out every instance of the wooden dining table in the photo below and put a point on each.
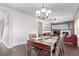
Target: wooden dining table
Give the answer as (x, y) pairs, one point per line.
(43, 44)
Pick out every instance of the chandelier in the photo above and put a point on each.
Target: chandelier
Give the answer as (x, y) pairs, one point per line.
(43, 13)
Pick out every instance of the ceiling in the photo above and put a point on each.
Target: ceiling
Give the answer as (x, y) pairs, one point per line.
(62, 11)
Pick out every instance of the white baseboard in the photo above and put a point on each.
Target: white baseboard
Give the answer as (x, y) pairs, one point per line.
(10, 46)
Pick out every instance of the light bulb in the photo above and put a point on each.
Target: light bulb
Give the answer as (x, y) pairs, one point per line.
(43, 10)
(49, 11)
(46, 14)
(38, 12)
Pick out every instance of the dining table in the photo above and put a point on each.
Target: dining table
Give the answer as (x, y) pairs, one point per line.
(42, 43)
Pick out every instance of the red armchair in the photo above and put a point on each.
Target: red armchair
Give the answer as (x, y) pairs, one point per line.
(71, 40)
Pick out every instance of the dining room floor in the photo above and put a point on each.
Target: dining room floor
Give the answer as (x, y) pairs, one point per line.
(69, 50)
(20, 50)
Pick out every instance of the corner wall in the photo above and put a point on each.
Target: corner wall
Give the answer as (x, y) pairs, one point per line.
(18, 28)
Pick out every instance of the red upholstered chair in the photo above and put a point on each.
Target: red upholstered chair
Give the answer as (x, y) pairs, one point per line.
(71, 40)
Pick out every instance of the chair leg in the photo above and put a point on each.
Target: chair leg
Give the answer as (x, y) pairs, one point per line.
(29, 51)
(63, 52)
(37, 53)
(60, 53)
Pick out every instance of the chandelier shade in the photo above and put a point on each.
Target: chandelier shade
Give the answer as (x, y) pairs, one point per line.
(43, 13)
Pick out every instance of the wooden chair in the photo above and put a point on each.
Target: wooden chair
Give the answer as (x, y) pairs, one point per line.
(31, 36)
(59, 51)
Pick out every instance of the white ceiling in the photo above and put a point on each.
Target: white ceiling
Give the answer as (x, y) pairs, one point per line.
(62, 11)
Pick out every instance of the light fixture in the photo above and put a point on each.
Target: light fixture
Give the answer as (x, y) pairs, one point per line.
(43, 13)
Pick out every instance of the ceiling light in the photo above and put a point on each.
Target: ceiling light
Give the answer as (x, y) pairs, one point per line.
(43, 13)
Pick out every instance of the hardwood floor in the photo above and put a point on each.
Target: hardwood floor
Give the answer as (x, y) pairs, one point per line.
(20, 50)
(70, 50)
(4, 51)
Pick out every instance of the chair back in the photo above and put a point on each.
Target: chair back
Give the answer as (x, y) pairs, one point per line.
(32, 36)
(74, 37)
(40, 35)
(59, 46)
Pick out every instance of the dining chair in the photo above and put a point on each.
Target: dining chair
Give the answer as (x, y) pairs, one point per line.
(31, 36)
(59, 51)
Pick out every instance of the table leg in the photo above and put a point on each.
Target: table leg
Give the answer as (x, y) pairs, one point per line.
(28, 50)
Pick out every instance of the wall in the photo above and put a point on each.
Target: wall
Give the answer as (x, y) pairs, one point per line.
(76, 26)
(19, 26)
(60, 26)
(45, 22)
(5, 36)
(71, 26)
